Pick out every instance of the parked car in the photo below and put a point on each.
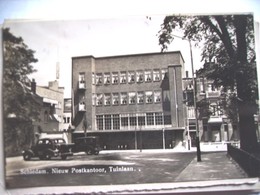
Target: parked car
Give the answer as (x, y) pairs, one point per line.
(89, 144)
(47, 148)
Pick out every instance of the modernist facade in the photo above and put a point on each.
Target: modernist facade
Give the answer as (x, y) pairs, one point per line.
(130, 101)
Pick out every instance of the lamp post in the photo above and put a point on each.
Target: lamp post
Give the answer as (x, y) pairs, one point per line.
(195, 99)
(195, 105)
(163, 136)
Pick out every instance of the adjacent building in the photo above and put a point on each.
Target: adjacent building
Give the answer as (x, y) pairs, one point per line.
(53, 97)
(51, 113)
(214, 127)
(129, 101)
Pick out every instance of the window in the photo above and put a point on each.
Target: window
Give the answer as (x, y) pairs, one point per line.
(82, 81)
(148, 76)
(150, 118)
(149, 97)
(115, 78)
(99, 100)
(81, 77)
(46, 116)
(167, 119)
(158, 118)
(131, 77)
(115, 98)
(140, 97)
(107, 78)
(132, 120)
(108, 122)
(93, 79)
(124, 120)
(122, 77)
(99, 120)
(156, 75)
(116, 121)
(99, 79)
(139, 76)
(157, 96)
(107, 99)
(123, 98)
(82, 106)
(141, 119)
(164, 73)
(132, 98)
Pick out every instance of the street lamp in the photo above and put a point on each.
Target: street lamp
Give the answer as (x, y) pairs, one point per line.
(195, 99)
(163, 136)
(195, 105)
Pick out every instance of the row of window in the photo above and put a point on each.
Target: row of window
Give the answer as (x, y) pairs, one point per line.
(131, 121)
(125, 98)
(123, 77)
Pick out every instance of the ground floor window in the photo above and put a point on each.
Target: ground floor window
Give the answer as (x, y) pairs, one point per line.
(150, 118)
(108, 124)
(132, 121)
(116, 121)
(158, 119)
(167, 119)
(124, 121)
(99, 120)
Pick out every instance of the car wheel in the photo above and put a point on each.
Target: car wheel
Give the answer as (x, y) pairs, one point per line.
(88, 152)
(27, 156)
(47, 157)
(64, 157)
(96, 152)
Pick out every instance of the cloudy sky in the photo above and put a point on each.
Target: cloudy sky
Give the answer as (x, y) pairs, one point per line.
(106, 31)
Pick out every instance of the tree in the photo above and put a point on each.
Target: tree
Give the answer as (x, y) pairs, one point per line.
(20, 105)
(16, 84)
(229, 55)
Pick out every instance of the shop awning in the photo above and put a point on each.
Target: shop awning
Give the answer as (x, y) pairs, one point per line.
(50, 101)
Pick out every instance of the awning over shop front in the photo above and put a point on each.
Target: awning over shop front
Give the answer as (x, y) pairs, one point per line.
(215, 120)
(50, 101)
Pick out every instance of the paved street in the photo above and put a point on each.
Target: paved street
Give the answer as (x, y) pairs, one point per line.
(125, 167)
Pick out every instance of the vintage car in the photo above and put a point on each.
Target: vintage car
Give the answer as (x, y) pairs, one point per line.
(46, 148)
(89, 144)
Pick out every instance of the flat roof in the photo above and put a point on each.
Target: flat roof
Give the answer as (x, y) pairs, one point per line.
(130, 55)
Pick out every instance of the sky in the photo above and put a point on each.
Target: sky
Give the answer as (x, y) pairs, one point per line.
(58, 41)
(56, 35)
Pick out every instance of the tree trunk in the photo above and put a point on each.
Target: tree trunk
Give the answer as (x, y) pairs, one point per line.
(246, 102)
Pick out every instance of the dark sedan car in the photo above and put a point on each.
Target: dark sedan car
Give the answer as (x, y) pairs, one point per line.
(47, 148)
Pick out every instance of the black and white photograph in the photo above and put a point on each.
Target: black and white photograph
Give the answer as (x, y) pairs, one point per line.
(138, 104)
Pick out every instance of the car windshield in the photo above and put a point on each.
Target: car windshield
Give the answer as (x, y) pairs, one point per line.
(44, 141)
(59, 141)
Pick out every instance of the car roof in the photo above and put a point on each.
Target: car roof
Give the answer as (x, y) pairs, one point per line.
(87, 137)
(51, 139)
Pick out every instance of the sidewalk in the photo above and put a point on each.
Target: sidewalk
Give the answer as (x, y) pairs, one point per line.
(213, 166)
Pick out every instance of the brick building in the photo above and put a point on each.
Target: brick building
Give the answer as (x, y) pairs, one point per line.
(129, 101)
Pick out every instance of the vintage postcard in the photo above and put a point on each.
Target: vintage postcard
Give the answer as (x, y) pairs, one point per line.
(139, 104)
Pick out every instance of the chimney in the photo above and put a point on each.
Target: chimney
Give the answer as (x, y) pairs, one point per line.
(33, 86)
(187, 74)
